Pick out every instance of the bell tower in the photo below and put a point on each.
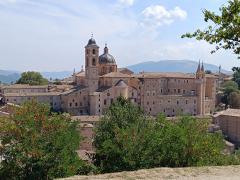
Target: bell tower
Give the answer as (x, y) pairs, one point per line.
(91, 64)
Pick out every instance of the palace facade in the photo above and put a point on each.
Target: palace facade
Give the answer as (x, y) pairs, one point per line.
(102, 82)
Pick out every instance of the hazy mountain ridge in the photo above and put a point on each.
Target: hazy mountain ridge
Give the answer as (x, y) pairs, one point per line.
(185, 66)
(12, 76)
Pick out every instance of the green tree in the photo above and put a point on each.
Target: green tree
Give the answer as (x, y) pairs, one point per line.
(38, 144)
(234, 100)
(228, 88)
(224, 28)
(236, 75)
(32, 78)
(127, 140)
(109, 151)
(208, 72)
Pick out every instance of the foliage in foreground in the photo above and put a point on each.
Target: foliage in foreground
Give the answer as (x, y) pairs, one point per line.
(32, 78)
(223, 29)
(37, 144)
(127, 140)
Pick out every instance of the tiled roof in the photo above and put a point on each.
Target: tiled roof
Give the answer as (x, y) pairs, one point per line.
(80, 74)
(169, 75)
(211, 76)
(116, 75)
(77, 88)
(164, 75)
(31, 94)
(121, 83)
(19, 86)
(229, 112)
(103, 88)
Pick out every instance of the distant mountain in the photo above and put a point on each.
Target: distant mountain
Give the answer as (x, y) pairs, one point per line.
(57, 75)
(185, 66)
(8, 72)
(12, 76)
(9, 78)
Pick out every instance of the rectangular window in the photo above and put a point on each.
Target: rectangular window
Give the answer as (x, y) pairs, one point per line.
(105, 101)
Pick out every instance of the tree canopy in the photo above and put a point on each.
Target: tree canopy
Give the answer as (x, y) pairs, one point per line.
(38, 144)
(127, 140)
(32, 78)
(223, 29)
(236, 75)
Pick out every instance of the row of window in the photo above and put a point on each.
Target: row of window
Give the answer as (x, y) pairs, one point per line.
(175, 91)
(173, 111)
(153, 82)
(76, 104)
(177, 102)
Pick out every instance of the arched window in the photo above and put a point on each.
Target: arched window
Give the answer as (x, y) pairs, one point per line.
(94, 62)
(93, 51)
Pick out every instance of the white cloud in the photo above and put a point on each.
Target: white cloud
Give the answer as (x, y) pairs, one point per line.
(127, 2)
(158, 15)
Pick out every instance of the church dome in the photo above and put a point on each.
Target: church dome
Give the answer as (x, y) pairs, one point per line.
(91, 42)
(106, 58)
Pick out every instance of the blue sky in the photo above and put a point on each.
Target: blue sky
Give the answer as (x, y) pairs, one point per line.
(50, 35)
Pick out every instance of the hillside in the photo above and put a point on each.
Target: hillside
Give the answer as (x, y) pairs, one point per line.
(185, 66)
(197, 173)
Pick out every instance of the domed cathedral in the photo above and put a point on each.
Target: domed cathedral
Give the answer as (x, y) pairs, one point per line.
(103, 82)
(107, 63)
